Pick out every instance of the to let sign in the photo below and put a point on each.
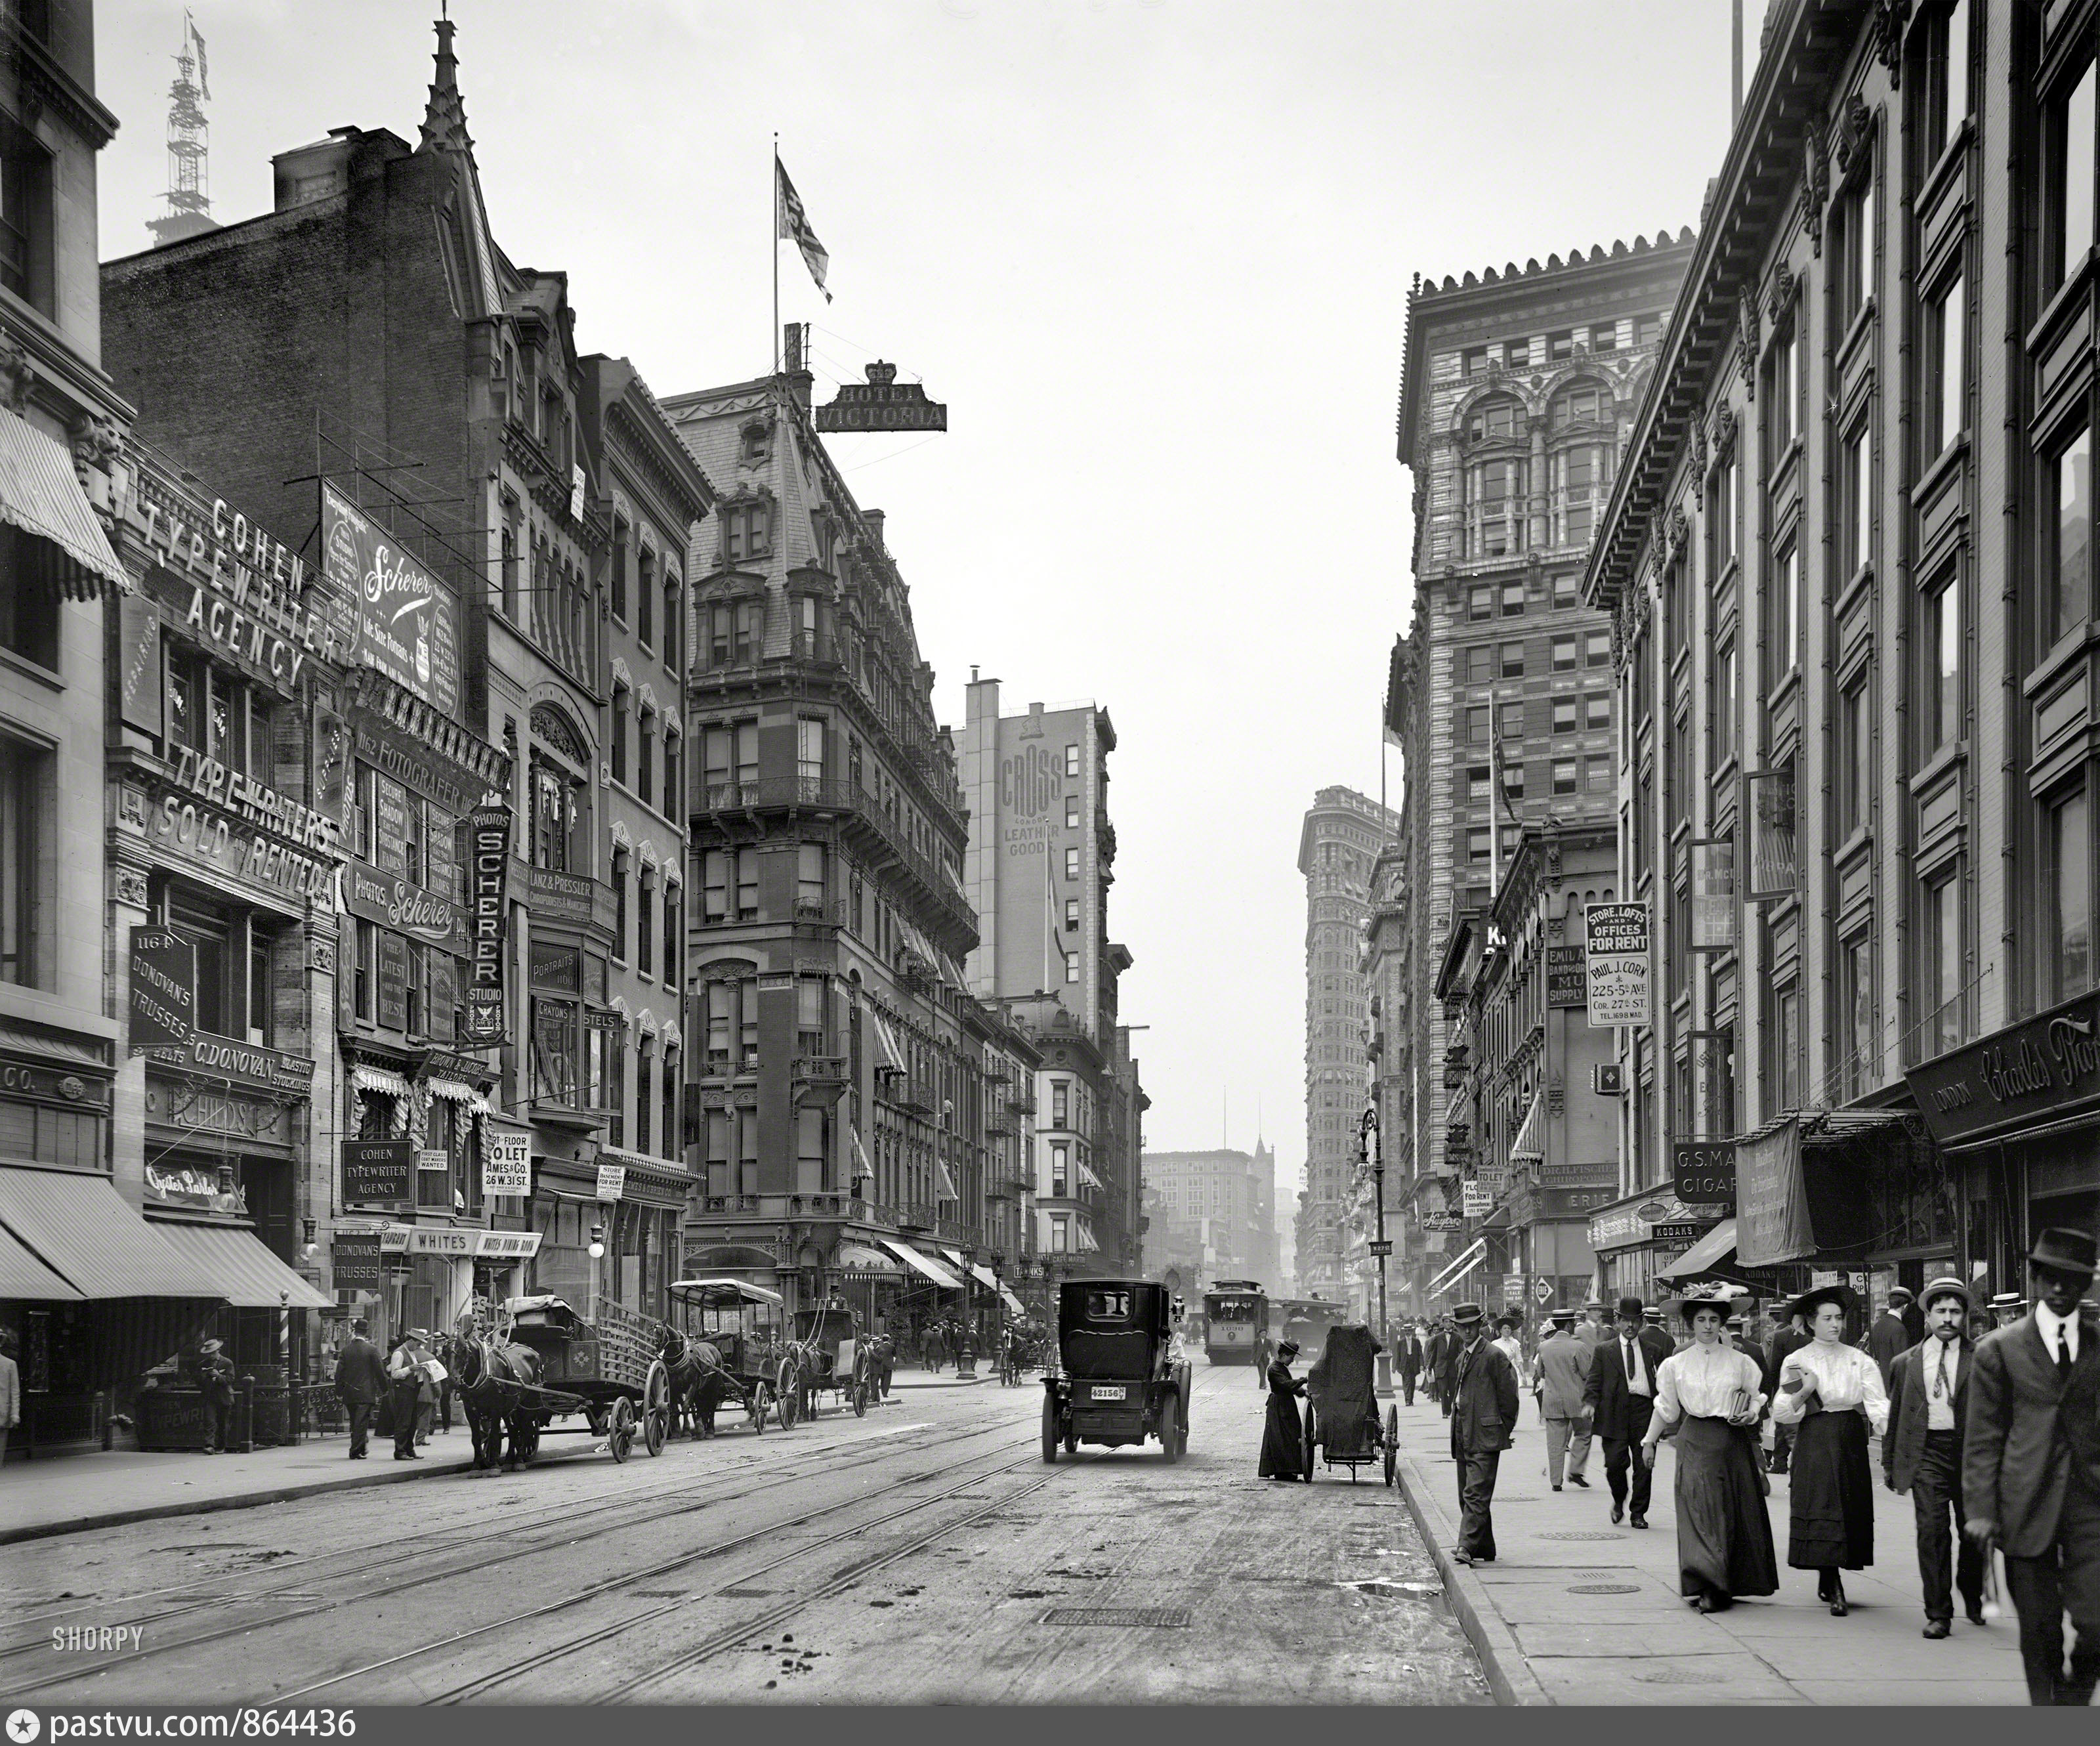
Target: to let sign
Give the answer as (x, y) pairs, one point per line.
(611, 1181)
(506, 1161)
(379, 1172)
(1617, 962)
(1704, 1172)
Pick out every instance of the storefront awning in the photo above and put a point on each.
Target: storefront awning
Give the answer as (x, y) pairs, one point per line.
(1529, 1145)
(1013, 1302)
(1467, 1262)
(984, 1276)
(889, 1058)
(863, 1171)
(1087, 1245)
(382, 1079)
(249, 1276)
(933, 1271)
(25, 1279)
(83, 1230)
(40, 494)
(858, 1257)
(947, 1182)
(1717, 1246)
(1087, 1176)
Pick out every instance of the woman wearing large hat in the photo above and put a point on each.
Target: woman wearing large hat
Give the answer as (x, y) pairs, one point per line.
(1282, 1436)
(1834, 1393)
(1712, 1396)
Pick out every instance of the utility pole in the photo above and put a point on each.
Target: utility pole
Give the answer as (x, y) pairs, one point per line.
(1374, 1155)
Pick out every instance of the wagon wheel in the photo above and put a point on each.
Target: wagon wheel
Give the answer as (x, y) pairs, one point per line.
(788, 1388)
(656, 1407)
(619, 1429)
(1049, 1426)
(1311, 1437)
(755, 1408)
(860, 1400)
(1392, 1445)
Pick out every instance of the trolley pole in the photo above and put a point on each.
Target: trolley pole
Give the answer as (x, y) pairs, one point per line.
(1374, 1155)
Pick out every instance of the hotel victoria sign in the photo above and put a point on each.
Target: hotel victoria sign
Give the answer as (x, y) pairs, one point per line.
(2045, 1067)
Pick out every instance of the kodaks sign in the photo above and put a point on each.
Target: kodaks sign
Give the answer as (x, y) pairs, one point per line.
(394, 903)
(2049, 1066)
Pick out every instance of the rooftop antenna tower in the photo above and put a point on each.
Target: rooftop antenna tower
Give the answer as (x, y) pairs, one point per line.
(189, 189)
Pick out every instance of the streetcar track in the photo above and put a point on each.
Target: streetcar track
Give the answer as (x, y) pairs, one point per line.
(444, 1540)
(386, 1591)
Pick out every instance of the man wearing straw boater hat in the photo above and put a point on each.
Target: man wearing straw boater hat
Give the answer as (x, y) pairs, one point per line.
(1921, 1454)
(1563, 1371)
(2031, 1467)
(1484, 1403)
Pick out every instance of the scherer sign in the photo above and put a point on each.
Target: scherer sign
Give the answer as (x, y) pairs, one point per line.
(488, 872)
(2044, 1068)
(394, 903)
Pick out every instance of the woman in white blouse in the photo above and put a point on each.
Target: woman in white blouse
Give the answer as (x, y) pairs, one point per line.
(1710, 1396)
(1834, 1392)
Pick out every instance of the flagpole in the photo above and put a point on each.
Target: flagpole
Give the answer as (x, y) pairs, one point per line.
(773, 350)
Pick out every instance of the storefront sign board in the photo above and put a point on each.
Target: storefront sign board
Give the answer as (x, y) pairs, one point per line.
(356, 1256)
(163, 989)
(1567, 981)
(506, 1161)
(379, 1172)
(2044, 1069)
(488, 868)
(1616, 942)
(394, 903)
(1703, 1172)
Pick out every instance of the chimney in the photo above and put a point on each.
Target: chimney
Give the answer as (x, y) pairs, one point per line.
(874, 518)
(794, 348)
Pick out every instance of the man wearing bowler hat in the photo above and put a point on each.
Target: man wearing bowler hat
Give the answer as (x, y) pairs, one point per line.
(1483, 1402)
(1621, 1394)
(1921, 1454)
(2031, 1467)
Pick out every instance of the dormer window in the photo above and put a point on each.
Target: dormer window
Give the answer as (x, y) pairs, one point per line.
(747, 532)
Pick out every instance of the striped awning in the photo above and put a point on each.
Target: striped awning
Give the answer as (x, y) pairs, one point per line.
(925, 1264)
(249, 1276)
(25, 1279)
(1529, 1145)
(863, 1171)
(41, 494)
(889, 1058)
(378, 1079)
(947, 1182)
(859, 1257)
(452, 1090)
(83, 1230)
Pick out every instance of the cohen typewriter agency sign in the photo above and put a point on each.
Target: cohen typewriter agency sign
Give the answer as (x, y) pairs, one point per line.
(404, 621)
(1617, 937)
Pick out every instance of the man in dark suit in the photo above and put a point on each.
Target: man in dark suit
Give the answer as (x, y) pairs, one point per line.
(1483, 1418)
(1921, 1454)
(1888, 1339)
(1407, 1359)
(1621, 1396)
(1790, 1338)
(2031, 1467)
(210, 1373)
(1446, 1370)
(360, 1379)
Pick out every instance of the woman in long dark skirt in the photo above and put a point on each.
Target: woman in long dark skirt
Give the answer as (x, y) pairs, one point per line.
(1282, 1448)
(1712, 1395)
(1834, 1393)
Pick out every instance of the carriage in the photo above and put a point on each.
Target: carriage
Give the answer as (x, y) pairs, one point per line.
(611, 1382)
(741, 1322)
(1117, 1377)
(1341, 1407)
(826, 1353)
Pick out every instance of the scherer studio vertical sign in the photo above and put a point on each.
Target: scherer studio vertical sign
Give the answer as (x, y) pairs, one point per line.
(488, 872)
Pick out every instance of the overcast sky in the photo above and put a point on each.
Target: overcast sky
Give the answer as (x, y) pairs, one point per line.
(1153, 255)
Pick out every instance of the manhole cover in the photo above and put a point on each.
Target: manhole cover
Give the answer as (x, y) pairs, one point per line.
(1605, 1588)
(1581, 1533)
(1677, 1676)
(1120, 1618)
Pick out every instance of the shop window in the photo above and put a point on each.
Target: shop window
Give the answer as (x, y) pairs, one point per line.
(28, 869)
(30, 606)
(2069, 181)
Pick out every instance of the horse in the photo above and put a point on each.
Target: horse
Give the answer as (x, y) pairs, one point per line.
(492, 1374)
(699, 1383)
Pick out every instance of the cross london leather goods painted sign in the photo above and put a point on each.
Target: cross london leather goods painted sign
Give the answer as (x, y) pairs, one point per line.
(2041, 1068)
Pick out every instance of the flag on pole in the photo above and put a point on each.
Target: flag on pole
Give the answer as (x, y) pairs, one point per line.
(795, 226)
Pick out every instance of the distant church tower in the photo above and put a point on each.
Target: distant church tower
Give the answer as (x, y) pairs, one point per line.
(189, 195)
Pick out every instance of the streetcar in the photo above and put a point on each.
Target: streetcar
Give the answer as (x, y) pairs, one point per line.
(1306, 1320)
(1235, 1323)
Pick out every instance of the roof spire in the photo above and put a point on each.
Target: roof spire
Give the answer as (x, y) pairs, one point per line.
(444, 115)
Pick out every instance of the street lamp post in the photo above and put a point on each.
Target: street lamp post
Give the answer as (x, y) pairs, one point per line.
(1374, 1155)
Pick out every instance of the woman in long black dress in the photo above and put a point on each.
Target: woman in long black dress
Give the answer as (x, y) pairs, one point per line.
(1282, 1448)
(1834, 1393)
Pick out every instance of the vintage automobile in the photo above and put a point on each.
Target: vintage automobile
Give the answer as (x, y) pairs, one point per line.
(1115, 1376)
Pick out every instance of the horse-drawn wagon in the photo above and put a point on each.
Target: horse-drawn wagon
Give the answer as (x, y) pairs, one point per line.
(829, 1353)
(546, 1362)
(723, 1343)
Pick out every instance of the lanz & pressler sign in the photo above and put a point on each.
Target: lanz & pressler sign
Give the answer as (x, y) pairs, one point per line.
(2048, 1066)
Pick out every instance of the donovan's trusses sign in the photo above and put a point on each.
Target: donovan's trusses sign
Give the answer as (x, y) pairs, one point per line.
(882, 403)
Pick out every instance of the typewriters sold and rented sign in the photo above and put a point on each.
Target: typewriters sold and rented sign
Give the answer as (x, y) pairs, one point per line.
(405, 620)
(1618, 963)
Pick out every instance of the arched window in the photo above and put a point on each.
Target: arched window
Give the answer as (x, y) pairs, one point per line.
(1496, 480)
(1581, 463)
(1494, 421)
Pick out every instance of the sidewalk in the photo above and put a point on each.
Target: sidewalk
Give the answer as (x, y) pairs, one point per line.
(65, 1494)
(1575, 1611)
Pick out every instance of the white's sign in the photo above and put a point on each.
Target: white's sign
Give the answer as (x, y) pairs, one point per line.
(1616, 949)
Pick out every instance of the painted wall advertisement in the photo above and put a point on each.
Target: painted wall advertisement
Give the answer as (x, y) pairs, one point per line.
(406, 621)
(1617, 963)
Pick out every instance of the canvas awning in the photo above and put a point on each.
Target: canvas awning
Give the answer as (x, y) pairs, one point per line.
(925, 1264)
(984, 1275)
(25, 1279)
(379, 1079)
(86, 1233)
(1013, 1302)
(249, 1277)
(1087, 1245)
(1529, 1145)
(889, 1058)
(1717, 1246)
(1086, 1175)
(1469, 1259)
(41, 494)
(859, 1257)
(947, 1182)
(863, 1171)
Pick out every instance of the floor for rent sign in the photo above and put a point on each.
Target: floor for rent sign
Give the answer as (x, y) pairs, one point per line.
(1617, 949)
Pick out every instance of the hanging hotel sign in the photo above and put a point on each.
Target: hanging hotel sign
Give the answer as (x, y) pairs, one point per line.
(882, 403)
(1617, 963)
(2047, 1065)
(394, 903)
(406, 621)
(163, 990)
(1714, 908)
(488, 871)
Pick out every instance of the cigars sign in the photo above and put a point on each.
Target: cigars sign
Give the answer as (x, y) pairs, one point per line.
(2043, 1067)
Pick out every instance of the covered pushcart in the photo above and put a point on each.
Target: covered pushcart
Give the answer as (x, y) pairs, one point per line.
(1341, 1407)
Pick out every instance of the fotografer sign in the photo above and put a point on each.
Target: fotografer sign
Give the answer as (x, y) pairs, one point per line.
(163, 990)
(1703, 1172)
(379, 1172)
(407, 621)
(1617, 942)
(882, 403)
(488, 872)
